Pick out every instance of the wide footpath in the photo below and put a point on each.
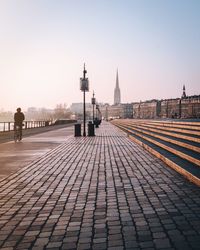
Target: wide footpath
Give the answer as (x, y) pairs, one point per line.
(102, 192)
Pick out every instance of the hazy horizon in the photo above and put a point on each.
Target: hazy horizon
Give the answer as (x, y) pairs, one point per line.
(44, 44)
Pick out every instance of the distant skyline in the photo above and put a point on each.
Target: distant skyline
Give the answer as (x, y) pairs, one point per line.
(154, 44)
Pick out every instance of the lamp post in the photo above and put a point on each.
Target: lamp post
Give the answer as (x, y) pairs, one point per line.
(97, 116)
(93, 103)
(84, 87)
(106, 114)
(97, 109)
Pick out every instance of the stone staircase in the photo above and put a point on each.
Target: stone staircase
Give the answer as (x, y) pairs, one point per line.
(176, 143)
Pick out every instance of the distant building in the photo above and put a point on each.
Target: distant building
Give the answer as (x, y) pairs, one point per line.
(78, 107)
(123, 110)
(147, 109)
(117, 94)
(111, 111)
(170, 108)
(188, 107)
(126, 110)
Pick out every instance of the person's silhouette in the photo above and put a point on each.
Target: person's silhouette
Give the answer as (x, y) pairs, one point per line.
(19, 118)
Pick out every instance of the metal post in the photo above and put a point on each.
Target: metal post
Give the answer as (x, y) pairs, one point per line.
(84, 133)
(106, 115)
(93, 113)
(97, 111)
(93, 103)
(84, 86)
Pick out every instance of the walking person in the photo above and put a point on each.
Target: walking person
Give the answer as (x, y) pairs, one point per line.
(18, 119)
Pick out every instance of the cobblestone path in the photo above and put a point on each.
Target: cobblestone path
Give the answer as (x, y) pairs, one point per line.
(102, 192)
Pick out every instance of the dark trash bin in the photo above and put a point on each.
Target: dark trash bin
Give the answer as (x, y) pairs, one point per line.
(91, 129)
(96, 122)
(77, 129)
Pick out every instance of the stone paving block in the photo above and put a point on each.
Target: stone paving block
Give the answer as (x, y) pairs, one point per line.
(84, 246)
(162, 243)
(102, 192)
(99, 246)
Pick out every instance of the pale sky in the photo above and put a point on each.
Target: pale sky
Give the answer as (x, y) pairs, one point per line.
(155, 45)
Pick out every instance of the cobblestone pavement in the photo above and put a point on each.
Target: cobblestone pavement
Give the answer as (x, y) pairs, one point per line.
(14, 156)
(102, 192)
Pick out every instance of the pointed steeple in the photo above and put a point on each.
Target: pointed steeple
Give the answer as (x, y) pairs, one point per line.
(117, 80)
(184, 94)
(117, 94)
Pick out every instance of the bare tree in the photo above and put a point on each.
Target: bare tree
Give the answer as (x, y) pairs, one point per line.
(62, 112)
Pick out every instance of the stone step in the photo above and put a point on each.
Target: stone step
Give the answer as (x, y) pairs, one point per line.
(182, 125)
(189, 131)
(182, 155)
(184, 141)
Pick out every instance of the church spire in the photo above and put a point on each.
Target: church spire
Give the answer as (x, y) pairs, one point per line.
(117, 80)
(184, 94)
(117, 94)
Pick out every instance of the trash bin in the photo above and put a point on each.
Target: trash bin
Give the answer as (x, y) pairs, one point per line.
(91, 129)
(96, 122)
(77, 129)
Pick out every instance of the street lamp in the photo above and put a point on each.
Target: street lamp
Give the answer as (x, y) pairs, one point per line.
(97, 117)
(84, 86)
(93, 103)
(106, 114)
(97, 109)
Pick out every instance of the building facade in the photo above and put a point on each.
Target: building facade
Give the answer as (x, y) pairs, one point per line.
(188, 107)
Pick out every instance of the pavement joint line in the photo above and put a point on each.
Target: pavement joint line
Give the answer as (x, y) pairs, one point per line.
(98, 192)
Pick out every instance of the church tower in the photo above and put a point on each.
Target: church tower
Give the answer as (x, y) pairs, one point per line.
(117, 94)
(184, 94)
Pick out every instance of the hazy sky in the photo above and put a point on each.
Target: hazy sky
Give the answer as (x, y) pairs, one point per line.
(155, 44)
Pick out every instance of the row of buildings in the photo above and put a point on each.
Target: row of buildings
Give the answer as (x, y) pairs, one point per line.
(182, 108)
(185, 107)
